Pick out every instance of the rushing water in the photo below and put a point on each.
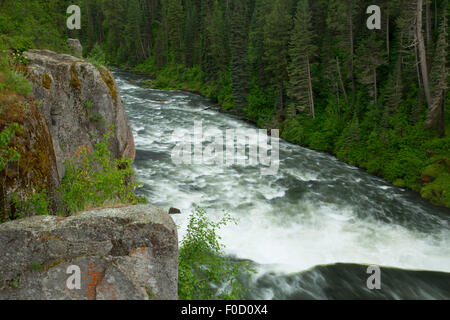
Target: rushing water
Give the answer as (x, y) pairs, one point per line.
(312, 229)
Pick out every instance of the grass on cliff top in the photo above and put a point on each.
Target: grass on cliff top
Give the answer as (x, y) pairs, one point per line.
(11, 80)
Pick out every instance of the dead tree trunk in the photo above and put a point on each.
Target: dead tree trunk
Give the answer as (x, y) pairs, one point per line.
(422, 51)
(311, 95)
(341, 82)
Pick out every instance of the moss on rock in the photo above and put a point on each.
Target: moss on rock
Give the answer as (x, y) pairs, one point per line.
(74, 80)
(36, 167)
(109, 81)
(46, 81)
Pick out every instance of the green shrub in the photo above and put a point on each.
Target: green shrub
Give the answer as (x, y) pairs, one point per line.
(203, 266)
(30, 203)
(36, 266)
(261, 105)
(294, 132)
(97, 57)
(92, 179)
(438, 191)
(13, 80)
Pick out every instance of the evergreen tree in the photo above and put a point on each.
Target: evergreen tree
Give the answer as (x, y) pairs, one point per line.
(256, 41)
(370, 56)
(440, 79)
(341, 23)
(192, 42)
(302, 52)
(239, 45)
(276, 45)
(135, 49)
(175, 19)
(393, 94)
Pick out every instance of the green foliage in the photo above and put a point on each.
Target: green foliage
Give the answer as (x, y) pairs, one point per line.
(97, 57)
(438, 190)
(36, 266)
(33, 23)
(261, 104)
(88, 105)
(14, 283)
(11, 79)
(150, 294)
(97, 117)
(92, 179)
(7, 153)
(29, 203)
(204, 272)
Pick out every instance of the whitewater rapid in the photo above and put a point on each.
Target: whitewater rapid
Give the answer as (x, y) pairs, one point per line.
(316, 211)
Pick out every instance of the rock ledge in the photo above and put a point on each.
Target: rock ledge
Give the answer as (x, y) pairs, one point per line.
(128, 253)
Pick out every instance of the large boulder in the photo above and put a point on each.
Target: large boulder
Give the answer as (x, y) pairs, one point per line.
(123, 253)
(80, 102)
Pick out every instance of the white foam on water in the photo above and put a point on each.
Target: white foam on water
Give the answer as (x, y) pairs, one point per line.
(281, 235)
(327, 236)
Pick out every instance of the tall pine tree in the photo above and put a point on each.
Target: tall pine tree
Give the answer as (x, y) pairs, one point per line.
(301, 51)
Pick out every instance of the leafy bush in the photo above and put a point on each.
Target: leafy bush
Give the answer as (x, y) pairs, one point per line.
(30, 203)
(294, 132)
(92, 179)
(204, 273)
(261, 105)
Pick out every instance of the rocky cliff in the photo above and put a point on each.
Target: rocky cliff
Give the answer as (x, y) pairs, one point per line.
(80, 102)
(121, 253)
(128, 252)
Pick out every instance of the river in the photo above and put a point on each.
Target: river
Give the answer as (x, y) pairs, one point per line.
(311, 230)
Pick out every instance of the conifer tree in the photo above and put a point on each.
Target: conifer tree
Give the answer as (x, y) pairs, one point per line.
(239, 45)
(440, 78)
(370, 56)
(302, 51)
(276, 45)
(175, 19)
